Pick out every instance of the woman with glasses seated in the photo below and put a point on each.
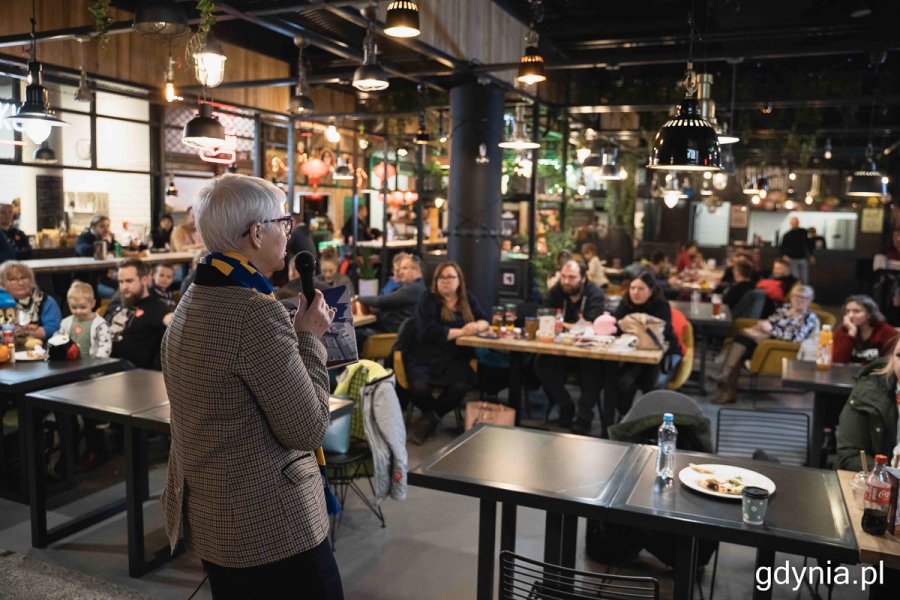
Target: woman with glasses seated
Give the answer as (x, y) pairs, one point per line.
(792, 322)
(38, 313)
(444, 313)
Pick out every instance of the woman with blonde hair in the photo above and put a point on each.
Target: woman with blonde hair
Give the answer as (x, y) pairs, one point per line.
(444, 313)
(38, 313)
(869, 420)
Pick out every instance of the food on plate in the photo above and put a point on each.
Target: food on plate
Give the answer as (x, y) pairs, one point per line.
(31, 343)
(732, 486)
(36, 351)
(699, 469)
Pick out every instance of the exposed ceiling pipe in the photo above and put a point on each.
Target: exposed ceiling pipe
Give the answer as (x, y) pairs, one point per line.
(742, 105)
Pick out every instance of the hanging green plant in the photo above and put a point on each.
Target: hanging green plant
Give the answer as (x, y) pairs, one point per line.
(206, 8)
(102, 20)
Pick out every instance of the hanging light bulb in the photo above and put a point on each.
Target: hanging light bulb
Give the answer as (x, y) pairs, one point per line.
(531, 65)
(83, 93)
(809, 199)
(672, 192)
(369, 76)
(755, 199)
(203, 131)
(402, 152)
(828, 152)
(35, 116)
(169, 90)
(867, 181)
(720, 181)
(519, 139)
(608, 170)
(422, 136)
(363, 143)
(402, 20)
(482, 158)
(209, 62)
(332, 134)
(171, 190)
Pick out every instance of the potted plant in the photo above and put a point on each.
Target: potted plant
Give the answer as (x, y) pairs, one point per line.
(368, 278)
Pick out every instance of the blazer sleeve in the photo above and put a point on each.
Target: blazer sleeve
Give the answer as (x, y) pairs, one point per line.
(285, 371)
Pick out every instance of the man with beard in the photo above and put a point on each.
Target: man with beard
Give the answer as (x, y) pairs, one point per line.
(137, 320)
(577, 298)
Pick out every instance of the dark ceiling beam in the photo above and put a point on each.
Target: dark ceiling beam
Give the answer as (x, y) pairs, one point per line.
(836, 133)
(889, 100)
(276, 82)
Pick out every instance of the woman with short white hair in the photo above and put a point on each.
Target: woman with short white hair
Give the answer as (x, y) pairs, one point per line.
(249, 408)
(39, 315)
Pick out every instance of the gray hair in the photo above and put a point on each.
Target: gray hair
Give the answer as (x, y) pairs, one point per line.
(229, 204)
(14, 268)
(803, 290)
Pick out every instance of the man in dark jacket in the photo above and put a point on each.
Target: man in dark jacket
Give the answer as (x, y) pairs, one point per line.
(15, 236)
(743, 283)
(577, 298)
(394, 308)
(796, 250)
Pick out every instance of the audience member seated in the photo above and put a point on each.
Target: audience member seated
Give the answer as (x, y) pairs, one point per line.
(777, 284)
(15, 236)
(579, 300)
(742, 283)
(137, 320)
(362, 227)
(397, 306)
(38, 313)
(728, 275)
(393, 281)
(161, 285)
(562, 257)
(161, 236)
(186, 237)
(622, 380)
(301, 239)
(686, 257)
(660, 267)
(329, 276)
(86, 328)
(792, 322)
(869, 419)
(863, 334)
(595, 272)
(816, 241)
(97, 231)
(444, 313)
(199, 255)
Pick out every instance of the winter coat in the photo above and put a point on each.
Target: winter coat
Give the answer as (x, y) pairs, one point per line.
(869, 419)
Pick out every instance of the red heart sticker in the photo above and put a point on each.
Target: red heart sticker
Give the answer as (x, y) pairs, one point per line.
(139, 312)
(78, 329)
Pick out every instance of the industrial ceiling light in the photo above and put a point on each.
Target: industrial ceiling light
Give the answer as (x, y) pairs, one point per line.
(402, 19)
(609, 171)
(300, 103)
(867, 181)
(809, 199)
(828, 153)
(519, 139)
(422, 137)
(209, 62)
(332, 134)
(342, 171)
(83, 93)
(169, 91)
(44, 154)
(35, 116)
(369, 76)
(687, 142)
(203, 131)
(159, 17)
(171, 190)
(531, 64)
(708, 109)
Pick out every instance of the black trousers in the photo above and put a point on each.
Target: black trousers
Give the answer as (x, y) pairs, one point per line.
(310, 575)
(622, 381)
(552, 370)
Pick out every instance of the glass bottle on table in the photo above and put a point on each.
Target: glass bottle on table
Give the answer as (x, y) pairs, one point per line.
(825, 348)
(878, 498)
(509, 317)
(497, 321)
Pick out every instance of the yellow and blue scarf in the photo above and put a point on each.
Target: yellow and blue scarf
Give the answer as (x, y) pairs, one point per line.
(236, 267)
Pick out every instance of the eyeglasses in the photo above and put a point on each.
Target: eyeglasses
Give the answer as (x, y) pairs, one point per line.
(447, 277)
(286, 223)
(799, 297)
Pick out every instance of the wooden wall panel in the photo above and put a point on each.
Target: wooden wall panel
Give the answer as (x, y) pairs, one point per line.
(139, 59)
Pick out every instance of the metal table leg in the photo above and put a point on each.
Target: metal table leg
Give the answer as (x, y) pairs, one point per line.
(487, 534)
(553, 538)
(569, 541)
(32, 458)
(508, 527)
(515, 384)
(685, 568)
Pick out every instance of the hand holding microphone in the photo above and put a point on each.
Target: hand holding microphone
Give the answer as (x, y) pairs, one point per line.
(313, 315)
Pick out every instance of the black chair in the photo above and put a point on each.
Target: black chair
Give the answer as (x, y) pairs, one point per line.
(750, 306)
(783, 435)
(526, 579)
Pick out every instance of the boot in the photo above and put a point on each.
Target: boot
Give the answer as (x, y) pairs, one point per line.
(426, 427)
(731, 358)
(731, 371)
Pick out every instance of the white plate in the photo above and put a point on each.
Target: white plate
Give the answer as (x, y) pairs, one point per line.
(23, 356)
(690, 477)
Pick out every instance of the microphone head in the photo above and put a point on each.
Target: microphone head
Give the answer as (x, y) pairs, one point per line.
(305, 260)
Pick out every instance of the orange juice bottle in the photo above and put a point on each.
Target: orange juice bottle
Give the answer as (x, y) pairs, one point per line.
(824, 353)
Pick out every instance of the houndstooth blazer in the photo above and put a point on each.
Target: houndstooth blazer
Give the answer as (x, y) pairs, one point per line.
(247, 413)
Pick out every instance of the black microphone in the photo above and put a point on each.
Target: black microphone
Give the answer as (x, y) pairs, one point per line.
(306, 266)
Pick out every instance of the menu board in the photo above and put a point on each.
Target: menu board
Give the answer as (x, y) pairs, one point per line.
(49, 195)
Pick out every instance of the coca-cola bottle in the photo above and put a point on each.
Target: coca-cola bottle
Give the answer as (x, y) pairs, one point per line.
(878, 498)
(559, 321)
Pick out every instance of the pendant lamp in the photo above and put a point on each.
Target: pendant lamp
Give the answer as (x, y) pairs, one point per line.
(609, 171)
(171, 190)
(209, 62)
(300, 103)
(159, 17)
(672, 192)
(868, 180)
(531, 64)
(35, 116)
(687, 142)
(369, 76)
(203, 131)
(45, 154)
(519, 139)
(83, 93)
(402, 20)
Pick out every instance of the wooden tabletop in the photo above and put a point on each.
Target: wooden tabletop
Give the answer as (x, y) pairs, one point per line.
(393, 245)
(503, 344)
(87, 263)
(363, 320)
(872, 548)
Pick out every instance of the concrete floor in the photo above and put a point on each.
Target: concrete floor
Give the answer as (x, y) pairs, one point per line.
(427, 550)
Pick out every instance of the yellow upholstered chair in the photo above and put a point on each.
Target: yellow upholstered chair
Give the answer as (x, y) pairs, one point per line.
(825, 317)
(683, 372)
(379, 346)
(403, 383)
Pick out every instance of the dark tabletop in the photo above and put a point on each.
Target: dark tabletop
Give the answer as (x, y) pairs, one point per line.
(704, 318)
(25, 376)
(126, 393)
(529, 468)
(806, 514)
(839, 379)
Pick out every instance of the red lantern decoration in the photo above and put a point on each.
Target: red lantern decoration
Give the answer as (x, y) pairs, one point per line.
(378, 171)
(410, 197)
(315, 169)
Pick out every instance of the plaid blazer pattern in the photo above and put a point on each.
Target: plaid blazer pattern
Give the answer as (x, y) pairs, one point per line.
(248, 411)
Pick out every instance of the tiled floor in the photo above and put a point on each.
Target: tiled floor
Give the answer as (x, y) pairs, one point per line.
(427, 550)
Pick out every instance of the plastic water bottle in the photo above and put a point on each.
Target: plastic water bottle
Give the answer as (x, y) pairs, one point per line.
(695, 302)
(665, 459)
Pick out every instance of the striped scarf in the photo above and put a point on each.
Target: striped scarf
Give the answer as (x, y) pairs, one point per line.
(236, 267)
